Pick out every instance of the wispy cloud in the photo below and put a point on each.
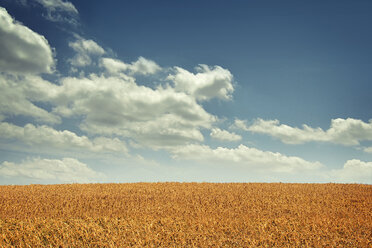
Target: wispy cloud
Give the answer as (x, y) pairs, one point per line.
(58, 5)
(367, 149)
(60, 11)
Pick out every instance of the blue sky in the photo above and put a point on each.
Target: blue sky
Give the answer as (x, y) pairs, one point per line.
(222, 91)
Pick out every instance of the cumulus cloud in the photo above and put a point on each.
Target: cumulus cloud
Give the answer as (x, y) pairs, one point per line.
(21, 49)
(342, 131)
(354, 171)
(141, 66)
(224, 135)
(207, 83)
(85, 51)
(114, 66)
(19, 95)
(144, 66)
(47, 137)
(117, 105)
(252, 158)
(59, 11)
(67, 170)
(112, 103)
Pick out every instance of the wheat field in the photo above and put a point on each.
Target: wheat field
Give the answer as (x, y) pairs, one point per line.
(186, 215)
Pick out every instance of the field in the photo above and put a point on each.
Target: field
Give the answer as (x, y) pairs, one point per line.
(186, 215)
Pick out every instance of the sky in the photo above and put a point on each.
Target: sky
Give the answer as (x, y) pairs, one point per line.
(187, 91)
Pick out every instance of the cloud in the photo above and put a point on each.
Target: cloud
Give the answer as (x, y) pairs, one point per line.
(245, 156)
(19, 96)
(354, 171)
(48, 138)
(367, 149)
(85, 49)
(342, 131)
(141, 66)
(240, 125)
(114, 66)
(111, 103)
(23, 3)
(208, 83)
(144, 66)
(117, 105)
(67, 170)
(21, 49)
(224, 135)
(59, 11)
(58, 5)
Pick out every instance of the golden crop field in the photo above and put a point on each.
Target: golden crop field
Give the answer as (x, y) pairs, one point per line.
(186, 215)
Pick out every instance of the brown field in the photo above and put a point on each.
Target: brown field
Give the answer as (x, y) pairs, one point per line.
(186, 215)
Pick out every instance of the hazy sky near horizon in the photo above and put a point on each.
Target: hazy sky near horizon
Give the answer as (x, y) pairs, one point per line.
(217, 91)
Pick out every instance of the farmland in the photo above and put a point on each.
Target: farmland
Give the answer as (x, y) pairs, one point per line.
(186, 215)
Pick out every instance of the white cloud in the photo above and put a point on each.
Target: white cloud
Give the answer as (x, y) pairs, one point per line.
(245, 156)
(67, 170)
(224, 135)
(59, 11)
(286, 133)
(367, 149)
(144, 66)
(113, 103)
(117, 105)
(58, 5)
(240, 125)
(110, 104)
(208, 83)
(141, 66)
(47, 137)
(21, 49)
(19, 95)
(354, 171)
(114, 66)
(85, 49)
(342, 131)
(108, 145)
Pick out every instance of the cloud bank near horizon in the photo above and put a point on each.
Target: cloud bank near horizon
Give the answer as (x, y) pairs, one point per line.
(348, 132)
